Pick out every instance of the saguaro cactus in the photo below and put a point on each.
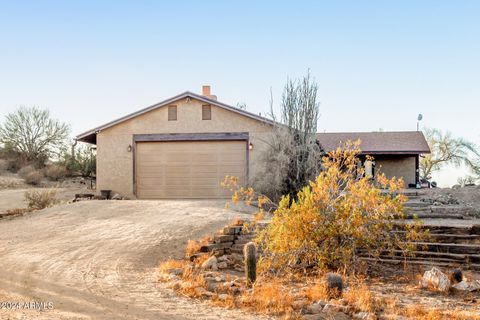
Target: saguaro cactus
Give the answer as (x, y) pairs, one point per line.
(250, 259)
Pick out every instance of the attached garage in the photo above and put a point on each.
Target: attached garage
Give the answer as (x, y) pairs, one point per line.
(187, 169)
(182, 147)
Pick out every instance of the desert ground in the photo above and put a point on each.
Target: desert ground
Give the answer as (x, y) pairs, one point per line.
(98, 259)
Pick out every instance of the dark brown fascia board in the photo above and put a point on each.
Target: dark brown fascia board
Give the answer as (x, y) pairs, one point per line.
(167, 102)
(217, 136)
(406, 153)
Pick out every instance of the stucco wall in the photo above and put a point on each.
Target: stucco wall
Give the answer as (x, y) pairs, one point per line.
(115, 163)
(397, 166)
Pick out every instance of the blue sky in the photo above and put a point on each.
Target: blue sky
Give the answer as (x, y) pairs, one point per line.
(378, 63)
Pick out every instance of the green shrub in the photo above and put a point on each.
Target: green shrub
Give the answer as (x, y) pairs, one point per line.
(55, 172)
(40, 199)
(84, 161)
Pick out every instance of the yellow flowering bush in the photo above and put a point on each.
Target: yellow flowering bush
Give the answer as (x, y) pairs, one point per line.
(332, 218)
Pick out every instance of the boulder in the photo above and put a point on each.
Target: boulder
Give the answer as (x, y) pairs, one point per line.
(317, 307)
(210, 264)
(318, 316)
(299, 304)
(364, 316)
(435, 279)
(212, 285)
(340, 316)
(332, 308)
(467, 286)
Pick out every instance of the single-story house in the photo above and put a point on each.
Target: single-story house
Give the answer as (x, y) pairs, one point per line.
(183, 147)
(397, 154)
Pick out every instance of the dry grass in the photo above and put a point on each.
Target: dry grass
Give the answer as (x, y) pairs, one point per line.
(193, 246)
(55, 172)
(201, 259)
(40, 199)
(6, 183)
(34, 177)
(14, 212)
(229, 301)
(318, 291)
(361, 298)
(269, 297)
(172, 264)
(192, 280)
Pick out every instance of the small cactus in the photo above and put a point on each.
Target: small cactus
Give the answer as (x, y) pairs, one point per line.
(250, 259)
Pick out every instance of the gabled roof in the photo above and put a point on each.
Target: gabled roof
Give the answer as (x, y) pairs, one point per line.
(90, 135)
(401, 142)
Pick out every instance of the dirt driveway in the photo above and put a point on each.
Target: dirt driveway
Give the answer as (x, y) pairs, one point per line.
(97, 259)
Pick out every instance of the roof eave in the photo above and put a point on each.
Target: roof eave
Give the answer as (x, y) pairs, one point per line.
(186, 94)
(365, 152)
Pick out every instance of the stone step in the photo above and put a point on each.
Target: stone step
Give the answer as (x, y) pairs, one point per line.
(428, 255)
(448, 247)
(216, 246)
(450, 238)
(431, 215)
(232, 230)
(220, 238)
(416, 204)
(475, 267)
(445, 229)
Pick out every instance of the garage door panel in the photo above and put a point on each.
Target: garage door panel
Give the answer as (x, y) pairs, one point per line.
(204, 157)
(177, 193)
(188, 169)
(204, 181)
(195, 168)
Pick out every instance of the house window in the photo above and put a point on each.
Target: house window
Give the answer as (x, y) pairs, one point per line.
(172, 113)
(207, 112)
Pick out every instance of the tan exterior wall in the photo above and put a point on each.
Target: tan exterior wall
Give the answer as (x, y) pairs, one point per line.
(115, 163)
(397, 166)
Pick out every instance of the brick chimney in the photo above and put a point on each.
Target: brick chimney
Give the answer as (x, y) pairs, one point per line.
(206, 93)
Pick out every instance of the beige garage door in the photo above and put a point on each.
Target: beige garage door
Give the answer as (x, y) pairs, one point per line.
(188, 169)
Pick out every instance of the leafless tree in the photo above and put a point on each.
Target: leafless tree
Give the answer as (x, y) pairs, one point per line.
(33, 134)
(293, 156)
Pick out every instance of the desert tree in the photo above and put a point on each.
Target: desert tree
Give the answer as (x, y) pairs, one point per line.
(448, 150)
(34, 134)
(83, 160)
(293, 156)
